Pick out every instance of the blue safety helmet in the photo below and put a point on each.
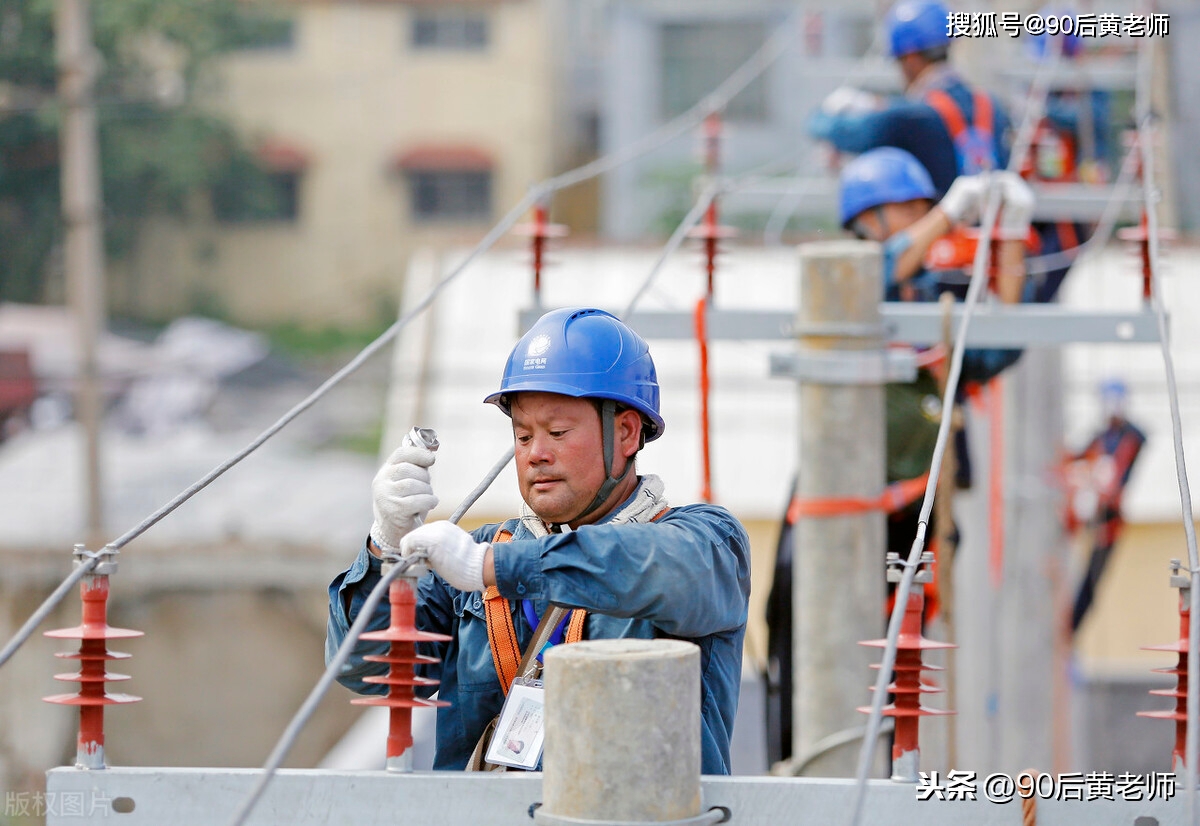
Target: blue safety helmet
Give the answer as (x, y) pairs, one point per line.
(1113, 389)
(887, 175)
(584, 353)
(1039, 44)
(917, 25)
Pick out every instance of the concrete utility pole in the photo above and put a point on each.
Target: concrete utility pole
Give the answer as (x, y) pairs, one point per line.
(84, 247)
(838, 586)
(622, 733)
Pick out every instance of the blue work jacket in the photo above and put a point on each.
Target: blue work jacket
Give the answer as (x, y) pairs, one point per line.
(915, 127)
(685, 576)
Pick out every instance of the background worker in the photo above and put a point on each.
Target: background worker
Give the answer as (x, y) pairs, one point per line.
(886, 195)
(1098, 478)
(592, 535)
(950, 127)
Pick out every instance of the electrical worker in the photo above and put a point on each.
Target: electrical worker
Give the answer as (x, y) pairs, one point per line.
(951, 128)
(1101, 472)
(1070, 145)
(888, 197)
(593, 535)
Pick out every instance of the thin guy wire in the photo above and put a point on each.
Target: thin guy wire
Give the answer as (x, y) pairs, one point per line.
(758, 63)
(1104, 227)
(1038, 91)
(1145, 140)
(46, 607)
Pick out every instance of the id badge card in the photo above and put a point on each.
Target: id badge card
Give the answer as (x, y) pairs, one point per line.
(517, 741)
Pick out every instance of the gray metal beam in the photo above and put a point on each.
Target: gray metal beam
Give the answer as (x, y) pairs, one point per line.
(1055, 202)
(306, 797)
(1025, 325)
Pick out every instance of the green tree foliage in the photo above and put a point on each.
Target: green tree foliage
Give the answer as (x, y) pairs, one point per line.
(158, 144)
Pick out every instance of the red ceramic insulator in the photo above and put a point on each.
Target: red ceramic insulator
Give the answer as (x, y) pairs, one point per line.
(401, 699)
(93, 633)
(907, 686)
(1179, 692)
(539, 231)
(1139, 237)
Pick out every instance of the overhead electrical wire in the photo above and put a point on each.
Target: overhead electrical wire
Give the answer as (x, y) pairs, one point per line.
(716, 100)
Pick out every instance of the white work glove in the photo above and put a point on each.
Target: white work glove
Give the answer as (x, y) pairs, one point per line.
(964, 198)
(450, 551)
(848, 100)
(1019, 201)
(403, 495)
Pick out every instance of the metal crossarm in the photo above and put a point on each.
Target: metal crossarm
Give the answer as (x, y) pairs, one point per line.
(1026, 325)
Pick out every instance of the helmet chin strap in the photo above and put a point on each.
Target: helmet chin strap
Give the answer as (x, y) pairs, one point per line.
(608, 412)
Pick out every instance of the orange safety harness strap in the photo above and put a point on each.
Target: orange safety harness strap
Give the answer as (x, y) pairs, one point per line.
(952, 116)
(502, 633)
(895, 497)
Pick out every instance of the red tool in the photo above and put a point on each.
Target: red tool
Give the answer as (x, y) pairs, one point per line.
(907, 686)
(93, 632)
(1179, 714)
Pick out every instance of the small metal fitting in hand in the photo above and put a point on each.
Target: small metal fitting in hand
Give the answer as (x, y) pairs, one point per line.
(425, 437)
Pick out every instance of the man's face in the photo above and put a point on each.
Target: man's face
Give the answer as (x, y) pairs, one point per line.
(873, 226)
(911, 66)
(559, 453)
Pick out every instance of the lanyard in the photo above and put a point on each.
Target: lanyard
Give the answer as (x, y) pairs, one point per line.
(532, 618)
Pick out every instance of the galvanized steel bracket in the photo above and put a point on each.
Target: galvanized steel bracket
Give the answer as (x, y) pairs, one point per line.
(717, 814)
(846, 366)
(106, 559)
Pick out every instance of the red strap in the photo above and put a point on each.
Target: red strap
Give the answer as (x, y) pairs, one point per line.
(985, 117)
(895, 497)
(701, 324)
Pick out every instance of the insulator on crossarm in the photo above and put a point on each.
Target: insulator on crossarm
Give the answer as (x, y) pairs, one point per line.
(1139, 241)
(401, 681)
(539, 231)
(1180, 648)
(906, 686)
(93, 632)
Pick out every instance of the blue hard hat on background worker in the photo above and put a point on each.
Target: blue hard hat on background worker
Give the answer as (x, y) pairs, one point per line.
(882, 176)
(916, 26)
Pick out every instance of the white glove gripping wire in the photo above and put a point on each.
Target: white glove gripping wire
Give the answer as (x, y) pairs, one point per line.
(402, 495)
(962, 201)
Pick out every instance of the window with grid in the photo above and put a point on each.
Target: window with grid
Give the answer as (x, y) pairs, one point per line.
(450, 195)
